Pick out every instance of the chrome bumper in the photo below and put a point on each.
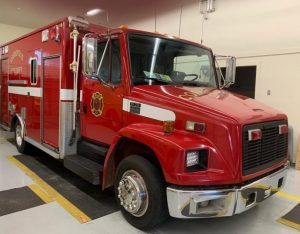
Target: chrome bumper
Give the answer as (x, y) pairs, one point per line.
(223, 202)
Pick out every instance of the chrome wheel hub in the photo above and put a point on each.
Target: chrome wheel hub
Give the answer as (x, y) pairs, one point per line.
(19, 138)
(133, 194)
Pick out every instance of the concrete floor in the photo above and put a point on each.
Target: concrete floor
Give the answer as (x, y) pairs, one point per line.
(52, 218)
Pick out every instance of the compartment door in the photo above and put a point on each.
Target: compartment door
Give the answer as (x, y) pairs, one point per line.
(51, 97)
(4, 116)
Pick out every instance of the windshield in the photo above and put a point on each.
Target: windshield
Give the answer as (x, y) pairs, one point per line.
(160, 61)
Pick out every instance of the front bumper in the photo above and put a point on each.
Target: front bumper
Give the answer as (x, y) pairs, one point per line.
(224, 202)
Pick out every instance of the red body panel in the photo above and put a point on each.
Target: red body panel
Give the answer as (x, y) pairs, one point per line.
(222, 137)
(27, 95)
(4, 118)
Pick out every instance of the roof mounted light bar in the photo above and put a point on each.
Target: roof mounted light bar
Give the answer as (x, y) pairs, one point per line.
(79, 22)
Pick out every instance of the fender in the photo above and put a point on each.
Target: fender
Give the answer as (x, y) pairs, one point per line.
(169, 149)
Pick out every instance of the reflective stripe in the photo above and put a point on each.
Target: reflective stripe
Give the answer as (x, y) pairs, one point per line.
(150, 111)
(30, 91)
(65, 94)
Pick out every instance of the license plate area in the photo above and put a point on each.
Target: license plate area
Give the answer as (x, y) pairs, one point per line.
(254, 193)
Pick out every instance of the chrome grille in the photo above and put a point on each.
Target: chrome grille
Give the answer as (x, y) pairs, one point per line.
(263, 153)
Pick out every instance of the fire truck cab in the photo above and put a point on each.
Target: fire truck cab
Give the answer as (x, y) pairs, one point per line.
(146, 114)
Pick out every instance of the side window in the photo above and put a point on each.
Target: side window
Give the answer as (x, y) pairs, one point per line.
(110, 70)
(33, 71)
(104, 69)
(115, 62)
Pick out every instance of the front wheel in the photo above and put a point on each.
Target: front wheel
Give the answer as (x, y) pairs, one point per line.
(141, 192)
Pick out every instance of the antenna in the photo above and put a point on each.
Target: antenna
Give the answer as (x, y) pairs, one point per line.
(179, 30)
(205, 7)
(107, 22)
(202, 27)
(155, 19)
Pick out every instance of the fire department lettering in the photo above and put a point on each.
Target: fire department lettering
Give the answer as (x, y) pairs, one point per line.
(97, 104)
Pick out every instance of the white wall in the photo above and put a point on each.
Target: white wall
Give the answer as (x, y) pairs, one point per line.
(10, 32)
(264, 33)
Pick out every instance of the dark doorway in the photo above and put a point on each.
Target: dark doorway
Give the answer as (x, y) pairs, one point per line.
(245, 80)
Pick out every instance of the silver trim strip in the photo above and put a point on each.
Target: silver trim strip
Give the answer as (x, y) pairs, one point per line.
(66, 94)
(41, 147)
(5, 127)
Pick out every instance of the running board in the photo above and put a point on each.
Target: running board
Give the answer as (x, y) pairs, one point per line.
(92, 151)
(85, 168)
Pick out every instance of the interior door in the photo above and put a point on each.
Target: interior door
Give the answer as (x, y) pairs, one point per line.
(4, 115)
(101, 107)
(50, 107)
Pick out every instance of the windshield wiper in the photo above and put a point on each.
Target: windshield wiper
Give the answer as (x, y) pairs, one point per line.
(194, 83)
(157, 79)
(139, 78)
(190, 83)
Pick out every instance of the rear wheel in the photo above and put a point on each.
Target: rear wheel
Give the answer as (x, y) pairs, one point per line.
(21, 145)
(141, 192)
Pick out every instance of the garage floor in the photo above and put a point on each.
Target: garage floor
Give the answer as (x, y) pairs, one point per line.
(43, 214)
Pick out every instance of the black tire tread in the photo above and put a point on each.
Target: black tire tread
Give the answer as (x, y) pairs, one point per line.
(157, 211)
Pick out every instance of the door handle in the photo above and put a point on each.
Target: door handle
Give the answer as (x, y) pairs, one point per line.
(84, 108)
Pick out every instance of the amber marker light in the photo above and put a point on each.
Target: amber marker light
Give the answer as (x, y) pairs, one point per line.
(195, 127)
(168, 126)
(123, 26)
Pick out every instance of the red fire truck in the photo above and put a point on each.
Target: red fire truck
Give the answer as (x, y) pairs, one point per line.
(146, 114)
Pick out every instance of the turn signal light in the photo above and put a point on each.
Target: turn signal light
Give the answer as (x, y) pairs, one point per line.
(168, 127)
(195, 127)
(283, 129)
(254, 135)
(123, 26)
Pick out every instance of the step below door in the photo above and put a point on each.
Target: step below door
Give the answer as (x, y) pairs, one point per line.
(51, 88)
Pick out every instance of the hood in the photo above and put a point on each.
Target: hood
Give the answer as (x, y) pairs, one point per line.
(242, 109)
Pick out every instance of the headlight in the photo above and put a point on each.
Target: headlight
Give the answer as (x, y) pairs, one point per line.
(192, 158)
(196, 160)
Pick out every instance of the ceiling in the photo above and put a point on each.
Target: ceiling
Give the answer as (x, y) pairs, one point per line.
(35, 13)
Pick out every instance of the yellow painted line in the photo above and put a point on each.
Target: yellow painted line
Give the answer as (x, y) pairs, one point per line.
(38, 191)
(52, 193)
(289, 223)
(288, 196)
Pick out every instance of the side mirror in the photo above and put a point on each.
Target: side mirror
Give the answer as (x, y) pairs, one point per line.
(230, 71)
(89, 55)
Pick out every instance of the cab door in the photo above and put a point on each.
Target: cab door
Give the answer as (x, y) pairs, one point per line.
(101, 104)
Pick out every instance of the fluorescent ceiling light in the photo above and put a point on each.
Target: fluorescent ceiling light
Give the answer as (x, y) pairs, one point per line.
(93, 12)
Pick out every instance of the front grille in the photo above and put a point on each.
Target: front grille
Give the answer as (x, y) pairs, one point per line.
(263, 153)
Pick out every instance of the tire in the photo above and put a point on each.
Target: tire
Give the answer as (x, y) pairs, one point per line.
(146, 180)
(21, 145)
